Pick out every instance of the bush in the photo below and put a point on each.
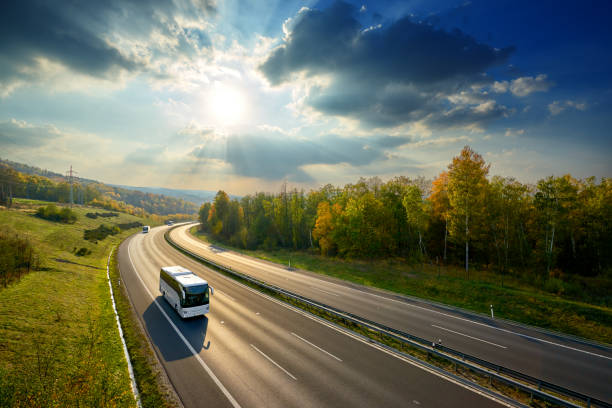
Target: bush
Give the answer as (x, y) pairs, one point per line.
(129, 225)
(103, 231)
(82, 252)
(17, 256)
(554, 285)
(52, 213)
(104, 215)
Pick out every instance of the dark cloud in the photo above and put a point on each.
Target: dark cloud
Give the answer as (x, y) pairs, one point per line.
(274, 156)
(381, 75)
(79, 35)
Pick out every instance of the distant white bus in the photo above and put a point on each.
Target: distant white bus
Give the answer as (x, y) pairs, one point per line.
(145, 229)
(186, 292)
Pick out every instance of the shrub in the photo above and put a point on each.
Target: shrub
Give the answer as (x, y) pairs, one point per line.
(129, 225)
(104, 215)
(52, 213)
(103, 231)
(17, 256)
(82, 252)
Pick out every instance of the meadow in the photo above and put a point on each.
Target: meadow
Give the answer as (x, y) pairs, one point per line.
(59, 343)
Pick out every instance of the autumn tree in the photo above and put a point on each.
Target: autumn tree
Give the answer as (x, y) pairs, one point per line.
(440, 205)
(323, 228)
(467, 183)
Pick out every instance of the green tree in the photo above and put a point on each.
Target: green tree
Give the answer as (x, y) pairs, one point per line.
(203, 216)
(416, 213)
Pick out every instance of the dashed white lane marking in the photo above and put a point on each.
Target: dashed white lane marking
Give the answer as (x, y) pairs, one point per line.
(324, 291)
(468, 336)
(273, 362)
(212, 375)
(317, 347)
(225, 294)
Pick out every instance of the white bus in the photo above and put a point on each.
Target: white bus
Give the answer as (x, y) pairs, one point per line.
(186, 292)
(145, 229)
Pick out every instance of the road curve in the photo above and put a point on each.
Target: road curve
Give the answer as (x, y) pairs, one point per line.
(568, 362)
(253, 351)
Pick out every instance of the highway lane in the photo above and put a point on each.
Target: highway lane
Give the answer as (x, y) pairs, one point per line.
(558, 359)
(263, 353)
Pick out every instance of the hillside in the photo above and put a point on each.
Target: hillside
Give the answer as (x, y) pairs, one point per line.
(194, 196)
(60, 341)
(25, 181)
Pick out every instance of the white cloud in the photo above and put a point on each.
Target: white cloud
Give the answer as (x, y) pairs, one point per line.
(500, 87)
(485, 107)
(526, 85)
(511, 132)
(556, 107)
(523, 86)
(442, 141)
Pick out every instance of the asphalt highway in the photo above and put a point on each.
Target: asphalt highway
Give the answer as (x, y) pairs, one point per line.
(254, 351)
(581, 366)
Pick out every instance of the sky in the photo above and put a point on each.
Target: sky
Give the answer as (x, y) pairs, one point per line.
(244, 95)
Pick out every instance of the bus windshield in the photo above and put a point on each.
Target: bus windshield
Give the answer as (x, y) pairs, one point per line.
(195, 296)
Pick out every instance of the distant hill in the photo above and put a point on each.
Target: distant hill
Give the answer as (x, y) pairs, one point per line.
(27, 169)
(25, 181)
(195, 196)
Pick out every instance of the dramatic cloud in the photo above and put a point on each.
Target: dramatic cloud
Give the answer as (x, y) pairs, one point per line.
(380, 75)
(100, 39)
(274, 156)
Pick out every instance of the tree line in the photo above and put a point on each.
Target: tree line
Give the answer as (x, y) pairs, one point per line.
(16, 184)
(463, 217)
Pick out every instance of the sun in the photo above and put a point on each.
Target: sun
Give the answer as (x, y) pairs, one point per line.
(227, 104)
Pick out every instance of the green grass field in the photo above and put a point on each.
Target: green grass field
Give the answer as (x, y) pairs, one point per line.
(516, 300)
(59, 343)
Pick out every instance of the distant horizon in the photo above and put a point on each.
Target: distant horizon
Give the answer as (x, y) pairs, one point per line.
(213, 192)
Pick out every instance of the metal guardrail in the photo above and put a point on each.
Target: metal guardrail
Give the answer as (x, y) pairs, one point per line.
(491, 370)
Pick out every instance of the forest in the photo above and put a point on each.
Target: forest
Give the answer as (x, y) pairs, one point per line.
(14, 183)
(559, 225)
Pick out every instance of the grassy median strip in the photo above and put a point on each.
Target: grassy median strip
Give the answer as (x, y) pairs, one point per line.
(382, 338)
(516, 300)
(155, 390)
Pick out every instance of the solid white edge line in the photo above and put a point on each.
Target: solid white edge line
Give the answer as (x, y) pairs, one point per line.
(273, 362)
(317, 347)
(125, 350)
(456, 317)
(468, 336)
(191, 349)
